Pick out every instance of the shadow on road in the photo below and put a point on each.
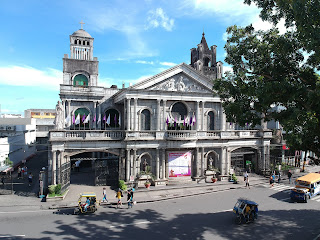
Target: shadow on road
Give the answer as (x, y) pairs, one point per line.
(293, 224)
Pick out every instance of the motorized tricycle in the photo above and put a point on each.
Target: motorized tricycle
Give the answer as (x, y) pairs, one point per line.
(246, 211)
(87, 203)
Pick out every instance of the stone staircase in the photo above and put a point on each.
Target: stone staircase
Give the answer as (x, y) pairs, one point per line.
(180, 181)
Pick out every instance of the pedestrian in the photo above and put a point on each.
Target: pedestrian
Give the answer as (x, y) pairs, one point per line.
(279, 177)
(26, 171)
(22, 172)
(289, 176)
(77, 165)
(247, 181)
(19, 172)
(104, 193)
(130, 198)
(30, 179)
(2, 180)
(245, 176)
(271, 181)
(118, 196)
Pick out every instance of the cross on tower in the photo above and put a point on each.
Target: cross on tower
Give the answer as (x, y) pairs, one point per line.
(81, 24)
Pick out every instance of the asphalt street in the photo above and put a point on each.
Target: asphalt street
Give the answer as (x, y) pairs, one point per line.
(205, 216)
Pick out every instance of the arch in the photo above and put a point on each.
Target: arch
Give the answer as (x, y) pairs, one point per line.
(145, 122)
(75, 41)
(145, 157)
(110, 119)
(206, 62)
(83, 112)
(212, 158)
(244, 158)
(179, 110)
(80, 80)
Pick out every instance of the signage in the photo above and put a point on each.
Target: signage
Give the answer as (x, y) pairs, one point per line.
(179, 164)
(284, 147)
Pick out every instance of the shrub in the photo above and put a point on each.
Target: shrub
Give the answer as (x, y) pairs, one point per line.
(122, 185)
(52, 189)
(57, 189)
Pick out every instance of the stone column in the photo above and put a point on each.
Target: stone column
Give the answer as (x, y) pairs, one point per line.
(128, 114)
(94, 124)
(196, 162)
(202, 161)
(197, 116)
(228, 163)
(59, 167)
(158, 115)
(128, 165)
(163, 163)
(63, 114)
(157, 164)
(164, 115)
(222, 120)
(134, 173)
(99, 113)
(202, 116)
(223, 160)
(135, 115)
(54, 168)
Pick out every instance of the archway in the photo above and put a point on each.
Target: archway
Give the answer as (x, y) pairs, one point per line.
(80, 80)
(81, 115)
(244, 159)
(110, 119)
(95, 169)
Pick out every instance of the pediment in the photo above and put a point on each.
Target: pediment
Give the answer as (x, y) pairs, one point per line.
(180, 83)
(181, 78)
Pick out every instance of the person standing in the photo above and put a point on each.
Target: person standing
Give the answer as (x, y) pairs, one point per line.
(19, 172)
(130, 198)
(30, 179)
(247, 182)
(289, 176)
(279, 177)
(26, 171)
(271, 181)
(104, 193)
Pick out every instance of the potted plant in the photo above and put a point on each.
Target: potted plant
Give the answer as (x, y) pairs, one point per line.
(214, 179)
(234, 179)
(147, 184)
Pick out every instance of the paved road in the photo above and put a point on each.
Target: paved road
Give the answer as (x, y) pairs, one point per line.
(207, 216)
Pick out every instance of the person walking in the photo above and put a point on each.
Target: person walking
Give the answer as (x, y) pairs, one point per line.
(118, 196)
(30, 179)
(271, 181)
(247, 181)
(130, 198)
(245, 176)
(104, 193)
(289, 176)
(279, 177)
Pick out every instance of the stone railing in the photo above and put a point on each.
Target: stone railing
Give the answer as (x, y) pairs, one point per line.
(96, 135)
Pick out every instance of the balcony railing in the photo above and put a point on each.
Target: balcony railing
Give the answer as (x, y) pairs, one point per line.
(119, 135)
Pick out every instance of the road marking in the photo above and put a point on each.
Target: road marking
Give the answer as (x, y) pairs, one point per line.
(10, 236)
(228, 210)
(123, 225)
(316, 198)
(317, 237)
(29, 211)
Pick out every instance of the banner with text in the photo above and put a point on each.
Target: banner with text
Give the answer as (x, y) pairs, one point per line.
(179, 164)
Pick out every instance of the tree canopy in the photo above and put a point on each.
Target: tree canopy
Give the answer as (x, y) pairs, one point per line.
(276, 70)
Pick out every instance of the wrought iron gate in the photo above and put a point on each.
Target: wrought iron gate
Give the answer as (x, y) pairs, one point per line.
(65, 176)
(107, 172)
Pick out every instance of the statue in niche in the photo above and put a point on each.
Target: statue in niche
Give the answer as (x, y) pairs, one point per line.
(210, 163)
(145, 164)
(58, 121)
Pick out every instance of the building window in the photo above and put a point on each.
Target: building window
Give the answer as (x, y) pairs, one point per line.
(110, 119)
(145, 119)
(80, 80)
(83, 114)
(211, 121)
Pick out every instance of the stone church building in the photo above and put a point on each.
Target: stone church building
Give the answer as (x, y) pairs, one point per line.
(172, 123)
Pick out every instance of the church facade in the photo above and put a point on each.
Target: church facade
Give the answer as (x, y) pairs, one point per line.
(172, 123)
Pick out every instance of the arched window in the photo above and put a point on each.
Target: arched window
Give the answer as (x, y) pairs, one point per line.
(145, 119)
(211, 121)
(206, 62)
(80, 80)
(88, 43)
(211, 161)
(75, 41)
(179, 111)
(110, 119)
(83, 114)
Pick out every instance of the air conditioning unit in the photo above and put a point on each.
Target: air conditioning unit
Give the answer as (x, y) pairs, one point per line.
(11, 128)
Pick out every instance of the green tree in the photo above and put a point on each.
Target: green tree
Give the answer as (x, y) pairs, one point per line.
(272, 69)
(7, 162)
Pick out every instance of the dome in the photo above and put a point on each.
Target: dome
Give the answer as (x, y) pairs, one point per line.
(81, 33)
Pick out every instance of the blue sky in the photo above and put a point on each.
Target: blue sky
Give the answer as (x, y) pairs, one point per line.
(132, 40)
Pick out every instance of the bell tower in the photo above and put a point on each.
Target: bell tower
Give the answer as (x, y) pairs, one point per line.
(204, 60)
(81, 69)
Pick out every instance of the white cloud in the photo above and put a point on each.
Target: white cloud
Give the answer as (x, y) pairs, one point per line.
(158, 18)
(227, 68)
(28, 76)
(170, 64)
(144, 62)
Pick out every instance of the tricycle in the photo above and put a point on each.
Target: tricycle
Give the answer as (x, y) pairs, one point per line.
(87, 203)
(246, 211)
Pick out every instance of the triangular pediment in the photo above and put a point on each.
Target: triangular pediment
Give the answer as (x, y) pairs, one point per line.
(181, 78)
